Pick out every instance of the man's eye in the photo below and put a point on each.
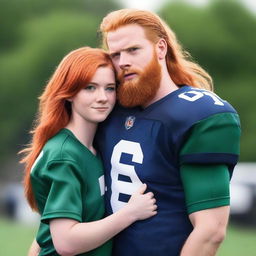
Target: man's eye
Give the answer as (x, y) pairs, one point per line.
(133, 49)
(115, 55)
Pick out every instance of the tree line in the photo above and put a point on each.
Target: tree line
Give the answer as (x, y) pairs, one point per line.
(35, 35)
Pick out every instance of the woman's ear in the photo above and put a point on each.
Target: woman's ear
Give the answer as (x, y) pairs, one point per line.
(161, 48)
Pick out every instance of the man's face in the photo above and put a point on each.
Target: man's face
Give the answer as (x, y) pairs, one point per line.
(136, 62)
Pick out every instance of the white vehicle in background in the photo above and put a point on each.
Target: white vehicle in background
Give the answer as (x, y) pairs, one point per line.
(243, 194)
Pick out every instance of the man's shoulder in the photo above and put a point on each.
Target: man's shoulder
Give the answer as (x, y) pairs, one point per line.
(191, 105)
(204, 100)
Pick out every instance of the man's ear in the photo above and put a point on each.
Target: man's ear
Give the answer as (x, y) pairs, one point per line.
(161, 49)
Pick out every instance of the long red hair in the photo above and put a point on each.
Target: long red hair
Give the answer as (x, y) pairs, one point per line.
(181, 68)
(72, 74)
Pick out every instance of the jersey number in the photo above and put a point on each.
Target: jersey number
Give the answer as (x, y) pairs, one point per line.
(195, 95)
(118, 186)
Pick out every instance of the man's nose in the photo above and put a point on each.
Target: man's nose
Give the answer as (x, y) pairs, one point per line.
(124, 61)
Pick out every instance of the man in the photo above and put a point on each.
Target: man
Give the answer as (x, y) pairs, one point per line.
(173, 134)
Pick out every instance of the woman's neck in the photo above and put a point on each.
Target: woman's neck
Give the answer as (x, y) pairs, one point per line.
(84, 132)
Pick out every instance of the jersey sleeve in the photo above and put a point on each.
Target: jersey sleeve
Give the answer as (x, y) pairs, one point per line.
(213, 140)
(205, 186)
(64, 198)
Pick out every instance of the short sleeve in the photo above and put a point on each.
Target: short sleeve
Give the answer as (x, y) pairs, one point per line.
(205, 186)
(64, 198)
(214, 140)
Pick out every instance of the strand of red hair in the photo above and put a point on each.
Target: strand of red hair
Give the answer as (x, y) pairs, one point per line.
(180, 66)
(73, 73)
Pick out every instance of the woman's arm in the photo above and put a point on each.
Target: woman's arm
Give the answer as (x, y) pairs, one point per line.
(71, 237)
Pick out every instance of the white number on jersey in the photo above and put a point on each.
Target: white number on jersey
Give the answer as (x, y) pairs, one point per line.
(195, 95)
(102, 185)
(124, 187)
(36, 161)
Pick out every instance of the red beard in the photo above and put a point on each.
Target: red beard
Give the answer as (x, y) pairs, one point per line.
(142, 89)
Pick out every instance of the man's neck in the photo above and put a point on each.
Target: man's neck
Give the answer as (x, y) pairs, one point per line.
(166, 87)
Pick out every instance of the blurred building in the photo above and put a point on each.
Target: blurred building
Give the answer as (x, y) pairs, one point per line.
(14, 205)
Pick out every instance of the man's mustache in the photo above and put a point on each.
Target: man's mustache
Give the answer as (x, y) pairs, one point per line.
(126, 72)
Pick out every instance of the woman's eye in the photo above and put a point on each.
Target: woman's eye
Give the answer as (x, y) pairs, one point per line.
(112, 88)
(90, 87)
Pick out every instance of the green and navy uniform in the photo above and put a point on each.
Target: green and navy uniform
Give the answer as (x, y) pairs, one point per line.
(68, 182)
(184, 147)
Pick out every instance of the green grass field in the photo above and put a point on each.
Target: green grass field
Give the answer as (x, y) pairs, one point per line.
(16, 239)
(239, 242)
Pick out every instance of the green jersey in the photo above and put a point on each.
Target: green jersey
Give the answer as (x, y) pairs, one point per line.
(68, 182)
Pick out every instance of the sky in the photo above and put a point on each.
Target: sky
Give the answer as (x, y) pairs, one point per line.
(154, 5)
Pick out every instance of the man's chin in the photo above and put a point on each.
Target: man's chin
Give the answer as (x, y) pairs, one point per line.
(128, 104)
(133, 100)
(130, 82)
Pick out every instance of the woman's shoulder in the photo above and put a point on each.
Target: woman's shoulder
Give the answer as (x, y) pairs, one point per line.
(63, 147)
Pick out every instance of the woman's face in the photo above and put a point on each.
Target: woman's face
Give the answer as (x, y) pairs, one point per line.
(96, 100)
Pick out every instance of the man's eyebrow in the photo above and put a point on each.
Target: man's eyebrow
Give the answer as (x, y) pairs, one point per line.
(124, 50)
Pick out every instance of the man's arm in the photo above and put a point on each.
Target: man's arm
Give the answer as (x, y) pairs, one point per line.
(207, 198)
(34, 249)
(209, 231)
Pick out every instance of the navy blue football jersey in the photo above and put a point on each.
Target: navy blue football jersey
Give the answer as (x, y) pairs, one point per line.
(148, 145)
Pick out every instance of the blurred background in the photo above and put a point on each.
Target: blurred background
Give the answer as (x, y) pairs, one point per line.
(35, 35)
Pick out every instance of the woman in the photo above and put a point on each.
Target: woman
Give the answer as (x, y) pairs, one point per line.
(64, 178)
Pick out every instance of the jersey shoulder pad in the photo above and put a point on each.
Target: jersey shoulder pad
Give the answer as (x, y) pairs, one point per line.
(199, 104)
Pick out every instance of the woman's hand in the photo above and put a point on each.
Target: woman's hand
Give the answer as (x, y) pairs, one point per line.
(140, 205)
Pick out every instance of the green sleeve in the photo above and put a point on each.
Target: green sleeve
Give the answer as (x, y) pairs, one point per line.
(214, 140)
(205, 186)
(64, 197)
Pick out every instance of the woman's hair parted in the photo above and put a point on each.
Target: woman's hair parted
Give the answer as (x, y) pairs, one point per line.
(180, 66)
(73, 73)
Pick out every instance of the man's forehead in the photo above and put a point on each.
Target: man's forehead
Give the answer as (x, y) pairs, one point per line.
(125, 37)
